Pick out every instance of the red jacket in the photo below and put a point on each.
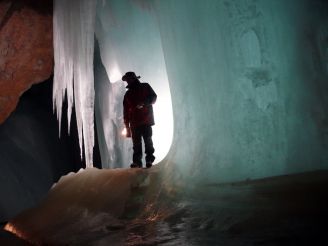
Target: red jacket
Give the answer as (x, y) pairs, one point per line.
(139, 94)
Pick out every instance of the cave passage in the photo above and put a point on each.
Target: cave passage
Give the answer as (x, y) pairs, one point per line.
(246, 80)
(244, 107)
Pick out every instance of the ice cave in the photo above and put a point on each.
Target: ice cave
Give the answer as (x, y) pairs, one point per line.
(240, 134)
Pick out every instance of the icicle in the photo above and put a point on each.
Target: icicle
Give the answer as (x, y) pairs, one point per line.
(74, 23)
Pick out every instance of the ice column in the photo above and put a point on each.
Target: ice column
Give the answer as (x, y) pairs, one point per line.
(74, 23)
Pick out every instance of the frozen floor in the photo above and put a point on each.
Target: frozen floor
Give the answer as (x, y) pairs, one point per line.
(142, 209)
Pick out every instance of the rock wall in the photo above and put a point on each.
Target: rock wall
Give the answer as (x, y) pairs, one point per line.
(26, 50)
(32, 156)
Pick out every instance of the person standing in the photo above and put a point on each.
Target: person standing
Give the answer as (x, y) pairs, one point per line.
(139, 117)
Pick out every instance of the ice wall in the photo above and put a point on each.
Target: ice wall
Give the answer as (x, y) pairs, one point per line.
(247, 79)
(74, 23)
(130, 40)
(116, 150)
(248, 86)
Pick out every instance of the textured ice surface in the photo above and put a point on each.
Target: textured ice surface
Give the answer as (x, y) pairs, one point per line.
(73, 44)
(249, 92)
(130, 40)
(74, 24)
(92, 202)
(116, 150)
(140, 207)
(247, 81)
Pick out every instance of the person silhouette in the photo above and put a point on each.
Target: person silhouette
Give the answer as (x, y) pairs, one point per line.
(139, 117)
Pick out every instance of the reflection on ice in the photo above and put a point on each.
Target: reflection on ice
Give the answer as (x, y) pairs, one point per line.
(141, 207)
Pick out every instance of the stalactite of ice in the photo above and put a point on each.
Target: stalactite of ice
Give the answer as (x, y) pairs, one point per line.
(74, 23)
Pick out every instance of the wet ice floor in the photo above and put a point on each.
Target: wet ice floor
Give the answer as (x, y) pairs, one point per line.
(288, 210)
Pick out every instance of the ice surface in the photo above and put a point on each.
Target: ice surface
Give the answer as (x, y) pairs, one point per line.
(129, 40)
(74, 24)
(90, 202)
(249, 94)
(73, 40)
(139, 207)
(116, 150)
(244, 84)
(246, 79)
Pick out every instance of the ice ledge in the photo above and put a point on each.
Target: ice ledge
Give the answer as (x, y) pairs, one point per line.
(90, 200)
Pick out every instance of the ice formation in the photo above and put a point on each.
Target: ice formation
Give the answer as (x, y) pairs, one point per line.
(231, 73)
(243, 80)
(114, 148)
(130, 40)
(89, 202)
(135, 207)
(249, 94)
(74, 27)
(74, 23)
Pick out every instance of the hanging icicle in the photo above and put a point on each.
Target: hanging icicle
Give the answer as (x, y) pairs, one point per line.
(74, 24)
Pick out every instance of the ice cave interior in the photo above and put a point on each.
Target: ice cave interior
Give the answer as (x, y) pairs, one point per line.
(241, 131)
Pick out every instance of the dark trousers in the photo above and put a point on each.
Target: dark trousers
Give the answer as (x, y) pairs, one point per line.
(146, 133)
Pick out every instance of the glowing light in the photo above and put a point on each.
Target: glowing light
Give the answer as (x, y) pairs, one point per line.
(163, 129)
(115, 74)
(124, 132)
(11, 228)
(153, 217)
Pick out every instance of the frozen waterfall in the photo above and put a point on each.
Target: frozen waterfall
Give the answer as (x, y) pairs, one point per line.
(74, 23)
